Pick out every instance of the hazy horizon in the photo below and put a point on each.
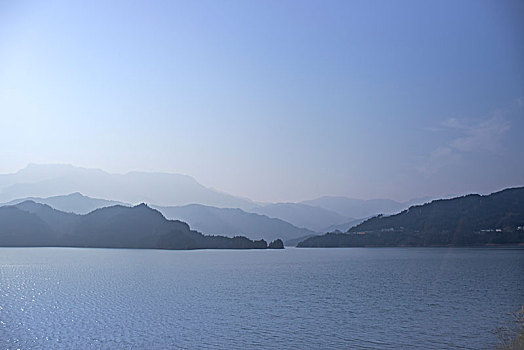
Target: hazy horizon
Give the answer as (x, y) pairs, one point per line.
(38, 166)
(272, 101)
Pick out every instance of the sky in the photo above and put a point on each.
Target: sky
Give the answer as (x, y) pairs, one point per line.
(270, 100)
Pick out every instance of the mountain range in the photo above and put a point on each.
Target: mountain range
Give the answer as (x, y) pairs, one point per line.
(461, 220)
(80, 190)
(71, 203)
(233, 221)
(209, 220)
(302, 215)
(474, 219)
(34, 224)
(133, 187)
(360, 208)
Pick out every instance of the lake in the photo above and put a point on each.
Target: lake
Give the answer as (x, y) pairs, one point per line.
(359, 298)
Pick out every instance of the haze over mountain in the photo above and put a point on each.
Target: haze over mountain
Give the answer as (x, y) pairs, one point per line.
(60, 187)
(302, 215)
(53, 181)
(233, 222)
(343, 227)
(209, 220)
(71, 203)
(34, 224)
(497, 218)
(133, 187)
(362, 208)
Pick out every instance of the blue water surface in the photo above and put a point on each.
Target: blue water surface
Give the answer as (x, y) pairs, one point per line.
(358, 298)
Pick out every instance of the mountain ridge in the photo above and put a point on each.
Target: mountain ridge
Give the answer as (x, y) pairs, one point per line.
(363, 208)
(74, 202)
(497, 218)
(47, 184)
(206, 219)
(34, 224)
(132, 187)
(232, 221)
(302, 215)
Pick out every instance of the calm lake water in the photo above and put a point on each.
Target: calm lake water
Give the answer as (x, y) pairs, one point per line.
(359, 298)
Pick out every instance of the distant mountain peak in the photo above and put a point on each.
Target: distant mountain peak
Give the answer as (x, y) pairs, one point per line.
(31, 206)
(77, 194)
(29, 202)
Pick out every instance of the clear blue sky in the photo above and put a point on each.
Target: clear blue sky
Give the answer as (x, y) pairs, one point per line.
(272, 100)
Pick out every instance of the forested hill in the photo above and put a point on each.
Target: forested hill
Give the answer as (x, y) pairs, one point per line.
(474, 219)
(35, 224)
